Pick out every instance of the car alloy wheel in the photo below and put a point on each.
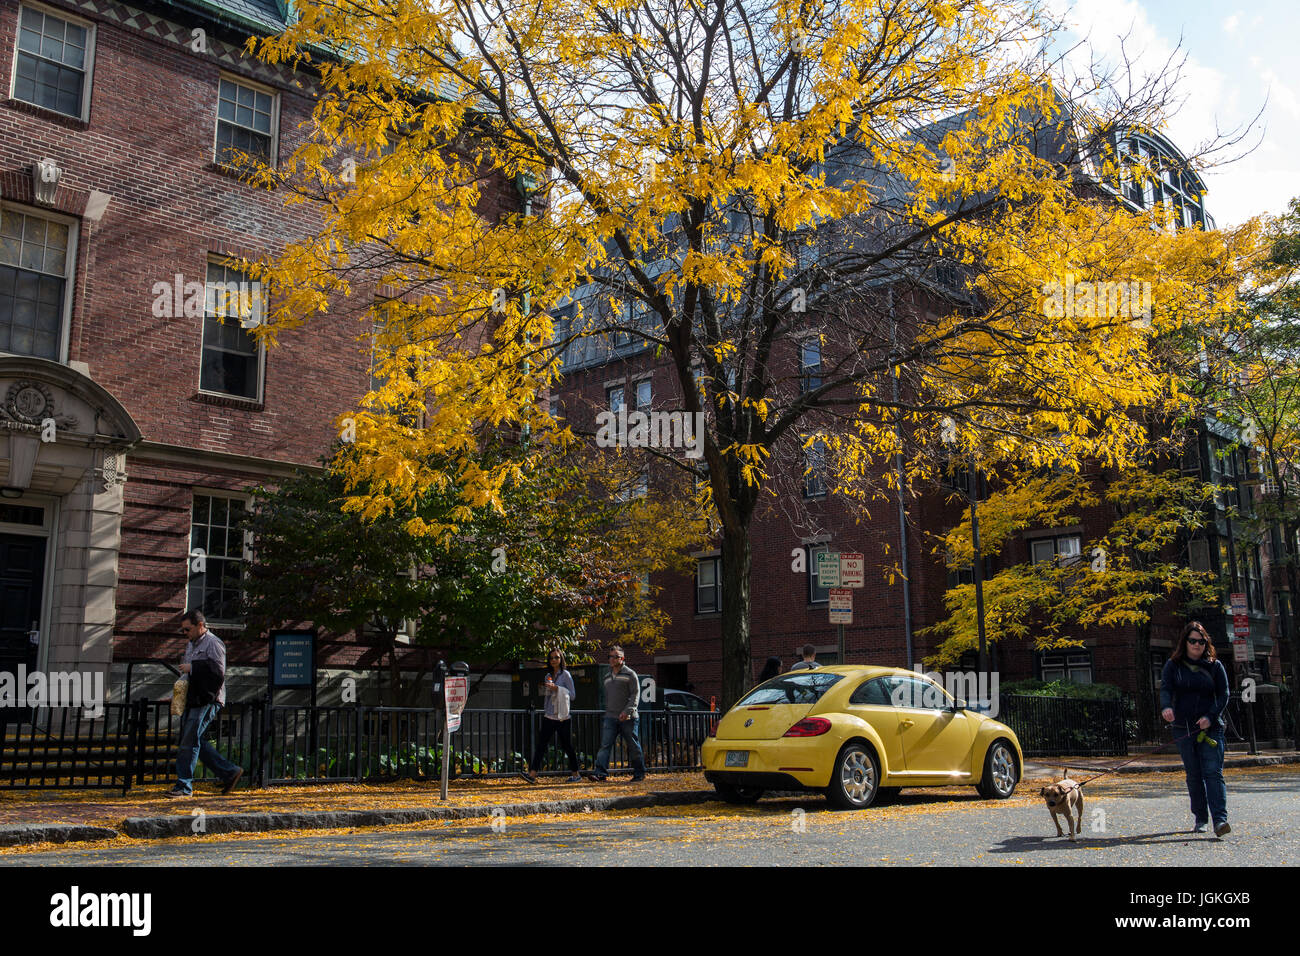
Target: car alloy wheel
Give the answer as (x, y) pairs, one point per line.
(856, 779)
(999, 773)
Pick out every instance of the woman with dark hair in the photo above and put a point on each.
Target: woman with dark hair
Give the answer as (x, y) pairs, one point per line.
(1193, 695)
(559, 691)
(770, 669)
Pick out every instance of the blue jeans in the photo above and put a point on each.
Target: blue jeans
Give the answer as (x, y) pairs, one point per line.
(610, 729)
(1204, 766)
(194, 747)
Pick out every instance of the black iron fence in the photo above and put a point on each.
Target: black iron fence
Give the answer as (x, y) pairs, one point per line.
(282, 744)
(1061, 726)
(136, 743)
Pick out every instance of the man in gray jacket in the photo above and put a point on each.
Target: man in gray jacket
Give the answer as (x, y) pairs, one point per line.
(205, 663)
(622, 692)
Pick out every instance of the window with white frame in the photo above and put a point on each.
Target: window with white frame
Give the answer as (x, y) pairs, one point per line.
(52, 62)
(814, 465)
(383, 323)
(817, 594)
(232, 357)
(216, 557)
(1074, 666)
(1063, 549)
(708, 585)
(810, 365)
(36, 261)
(642, 395)
(245, 122)
(614, 397)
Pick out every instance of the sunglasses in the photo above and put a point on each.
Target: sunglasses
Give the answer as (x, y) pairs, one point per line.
(1197, 640)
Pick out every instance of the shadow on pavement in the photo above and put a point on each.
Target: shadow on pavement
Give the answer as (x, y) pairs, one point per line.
(1054, 843)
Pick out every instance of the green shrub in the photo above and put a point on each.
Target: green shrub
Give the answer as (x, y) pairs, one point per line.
(1060, 688)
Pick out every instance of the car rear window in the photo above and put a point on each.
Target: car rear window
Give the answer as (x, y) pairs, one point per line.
(805, 688)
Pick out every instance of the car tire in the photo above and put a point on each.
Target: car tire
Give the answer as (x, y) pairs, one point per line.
(886, 796)
(733, 793)
(855, 779)
(1000, 774)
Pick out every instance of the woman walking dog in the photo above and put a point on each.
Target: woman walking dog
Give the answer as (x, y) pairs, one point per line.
(1193, 695)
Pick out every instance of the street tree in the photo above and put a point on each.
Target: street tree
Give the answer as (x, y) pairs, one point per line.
(562, 549)
(1137, 565)
(1251, 380)
(898, 181)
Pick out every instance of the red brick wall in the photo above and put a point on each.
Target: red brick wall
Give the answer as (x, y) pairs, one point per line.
(149, 144)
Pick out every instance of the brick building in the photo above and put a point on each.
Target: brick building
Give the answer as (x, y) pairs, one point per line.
(119, 219)
(905, 579)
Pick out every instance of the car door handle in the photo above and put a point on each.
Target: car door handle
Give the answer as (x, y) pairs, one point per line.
(906, 723)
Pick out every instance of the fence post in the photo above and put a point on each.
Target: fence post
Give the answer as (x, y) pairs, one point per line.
(142, 720)
(265, 744)
(128, 714)
(356, 723)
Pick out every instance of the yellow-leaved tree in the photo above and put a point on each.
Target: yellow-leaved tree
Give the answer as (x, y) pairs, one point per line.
(898, 183)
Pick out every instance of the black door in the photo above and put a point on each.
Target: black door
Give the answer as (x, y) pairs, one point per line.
(22, 579)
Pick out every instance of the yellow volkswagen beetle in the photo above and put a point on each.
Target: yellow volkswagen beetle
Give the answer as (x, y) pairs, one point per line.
(859, 734)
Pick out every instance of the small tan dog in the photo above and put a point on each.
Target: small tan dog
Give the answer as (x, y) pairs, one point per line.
(1063, 797)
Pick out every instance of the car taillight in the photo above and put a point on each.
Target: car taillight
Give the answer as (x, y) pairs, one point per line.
(809, 727)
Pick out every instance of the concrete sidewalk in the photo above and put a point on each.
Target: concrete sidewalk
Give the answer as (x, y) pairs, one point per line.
(1164, 762)
(60, 816)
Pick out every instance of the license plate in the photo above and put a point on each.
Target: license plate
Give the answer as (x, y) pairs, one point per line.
(737, 758)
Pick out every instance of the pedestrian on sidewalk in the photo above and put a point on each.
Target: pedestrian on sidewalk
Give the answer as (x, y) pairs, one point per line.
(1193, 695)
(809, 661)
(559, 692)
(204, 661)
(622, 692)
(771, 669)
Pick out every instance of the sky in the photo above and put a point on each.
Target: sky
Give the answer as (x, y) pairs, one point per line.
(1241, 60)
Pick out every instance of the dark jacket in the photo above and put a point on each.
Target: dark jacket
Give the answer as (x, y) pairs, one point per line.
(207, 660)
(206, 678)
(1194, 691)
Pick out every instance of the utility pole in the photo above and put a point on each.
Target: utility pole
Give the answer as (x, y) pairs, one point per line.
(977, 570)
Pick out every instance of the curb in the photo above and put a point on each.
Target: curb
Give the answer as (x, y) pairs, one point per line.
(153, 828)
(1230, 761)
(17, 835)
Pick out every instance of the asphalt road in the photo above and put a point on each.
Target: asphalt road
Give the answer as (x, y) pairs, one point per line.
(1143, 821)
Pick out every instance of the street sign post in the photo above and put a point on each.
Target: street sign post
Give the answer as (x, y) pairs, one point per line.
(841, 611)
(1240, 629)
(457, 690)
(841, 606)
(828, 569)
(455, 693)
(291, 663)
(853, 570)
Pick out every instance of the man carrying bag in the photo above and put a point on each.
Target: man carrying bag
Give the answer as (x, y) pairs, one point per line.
(204, 662)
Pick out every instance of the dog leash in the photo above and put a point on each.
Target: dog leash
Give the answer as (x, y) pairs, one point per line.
(1176, 740)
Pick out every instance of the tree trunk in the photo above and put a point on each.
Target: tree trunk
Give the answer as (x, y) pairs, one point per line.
(1145, 691)
(737, 672)
(1290, 530)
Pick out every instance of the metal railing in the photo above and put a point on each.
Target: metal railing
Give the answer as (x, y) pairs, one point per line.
(136, 743)
(1060, 726)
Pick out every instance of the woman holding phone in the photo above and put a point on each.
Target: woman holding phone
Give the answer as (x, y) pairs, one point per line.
(1193, 695)
(559, 692)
